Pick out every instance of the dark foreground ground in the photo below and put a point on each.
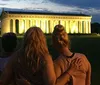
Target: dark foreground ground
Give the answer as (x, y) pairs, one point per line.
(87, 44)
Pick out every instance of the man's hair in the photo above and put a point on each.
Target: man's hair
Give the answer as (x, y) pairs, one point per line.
(9, 41)
(60, 37)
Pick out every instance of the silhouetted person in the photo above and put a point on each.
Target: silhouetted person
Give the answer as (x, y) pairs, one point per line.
(9, 42)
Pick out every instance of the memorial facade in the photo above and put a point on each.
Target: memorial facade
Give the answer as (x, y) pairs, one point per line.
(19, 22)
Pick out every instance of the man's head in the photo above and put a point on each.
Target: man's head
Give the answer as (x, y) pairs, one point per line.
(60, 37)
(9, 42)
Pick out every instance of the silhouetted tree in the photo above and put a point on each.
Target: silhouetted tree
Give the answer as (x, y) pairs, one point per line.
(95, 27)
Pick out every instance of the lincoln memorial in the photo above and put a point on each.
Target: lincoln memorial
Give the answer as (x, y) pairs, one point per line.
(19, 22)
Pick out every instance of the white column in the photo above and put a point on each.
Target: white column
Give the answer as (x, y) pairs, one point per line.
(43, 25)
(87, 27)
(46, 28)
(89, 24)
(14, 30)
(31, 23)
(26, 24)
(84, 26)
(70, 26)
(34, 22)
(63, 23)
(80, 27)
(67, 27)
(51, 26)
(21, 26)
(55, 22)
(38, 23)
(5, 25)
(76, 27)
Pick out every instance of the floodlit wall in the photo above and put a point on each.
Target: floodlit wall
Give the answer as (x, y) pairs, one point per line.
(19, 23)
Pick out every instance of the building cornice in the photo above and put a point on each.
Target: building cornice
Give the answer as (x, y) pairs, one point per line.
(47, 16)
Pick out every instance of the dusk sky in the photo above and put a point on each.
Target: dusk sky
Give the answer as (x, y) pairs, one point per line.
(89, 7)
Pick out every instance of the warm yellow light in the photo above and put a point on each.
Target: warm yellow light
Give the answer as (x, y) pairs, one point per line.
(36, 23)
(43, 26)
(22, 28)
(74, 29)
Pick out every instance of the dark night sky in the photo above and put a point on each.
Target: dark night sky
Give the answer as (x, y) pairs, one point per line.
(89, 7)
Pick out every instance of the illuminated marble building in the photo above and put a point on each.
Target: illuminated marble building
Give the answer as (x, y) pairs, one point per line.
(19, 22)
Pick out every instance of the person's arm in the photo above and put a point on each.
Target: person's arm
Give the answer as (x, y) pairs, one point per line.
(48, 71)
(58, 67)
(7, 74)
(22, 82)
(87, 69)
(50, 76)
(60, 71)
(88, 75)
(63, 79)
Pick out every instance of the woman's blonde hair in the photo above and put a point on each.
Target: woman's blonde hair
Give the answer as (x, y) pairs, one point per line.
(35, 46)
(60, 37)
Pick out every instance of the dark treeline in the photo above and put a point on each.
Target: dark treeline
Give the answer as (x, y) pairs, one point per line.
(95, 27)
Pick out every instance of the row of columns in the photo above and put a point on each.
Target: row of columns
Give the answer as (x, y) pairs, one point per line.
(47, 26)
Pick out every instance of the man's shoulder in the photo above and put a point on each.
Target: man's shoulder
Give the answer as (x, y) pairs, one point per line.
(2, 59)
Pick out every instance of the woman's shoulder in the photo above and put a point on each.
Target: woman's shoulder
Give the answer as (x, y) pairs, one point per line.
(81, 55)
(84, 60)
(47, 58)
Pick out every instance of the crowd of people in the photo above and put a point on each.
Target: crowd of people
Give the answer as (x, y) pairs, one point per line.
(32, 63)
